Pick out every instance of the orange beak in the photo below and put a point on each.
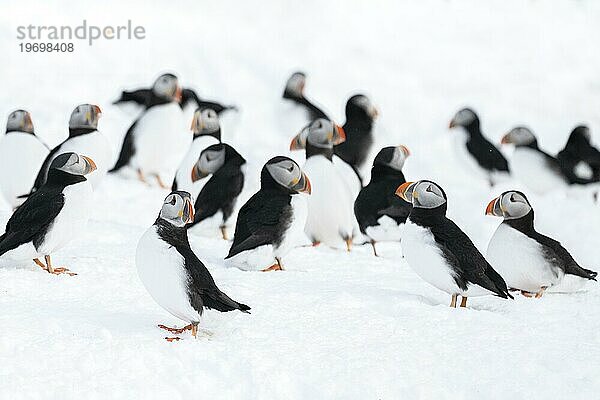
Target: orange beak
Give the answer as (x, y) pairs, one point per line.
(401, 191)
(489, 210)
(194, 126)
(340, 134)
(405, 150)
(307, 186)
(98, 111)
(91, 162)
(190, 210)
(178, 94)
(296, 143)
(505, 139)
(196, 174)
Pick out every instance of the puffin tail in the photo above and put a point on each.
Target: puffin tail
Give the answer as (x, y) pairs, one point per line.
(581, 272)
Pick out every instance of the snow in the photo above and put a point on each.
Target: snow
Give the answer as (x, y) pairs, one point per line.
(333, 325)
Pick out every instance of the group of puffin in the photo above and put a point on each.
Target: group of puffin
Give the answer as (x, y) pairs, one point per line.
(328, 201)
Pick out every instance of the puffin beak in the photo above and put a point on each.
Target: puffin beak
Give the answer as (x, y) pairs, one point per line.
(296, 143)
(197, 174)
(452, 124)
(492, 208)
(97, 111)
(404, 150)
(91, 163)
(306, 187)
(506, 139)
(373, 112)
(339, 135)
(178, 94)
(189, 211)
(27, 123)
(401, 191)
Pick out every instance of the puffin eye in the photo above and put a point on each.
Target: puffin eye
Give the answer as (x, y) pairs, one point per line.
(429, 189)
(512, 198)
(173, 201)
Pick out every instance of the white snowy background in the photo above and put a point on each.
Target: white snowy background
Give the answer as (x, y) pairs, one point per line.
(334, 325)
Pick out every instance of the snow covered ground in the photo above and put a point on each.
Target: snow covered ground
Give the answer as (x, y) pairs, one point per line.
(334, 325)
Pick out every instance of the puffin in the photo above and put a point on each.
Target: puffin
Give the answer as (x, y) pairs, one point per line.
(84, 138)
(21, 156)
(53, 215)
(378, 210)
(529, 261)
(440, 252)
(219, 194)
(207, 131)
(475, 151)
(535, 168)
(274, 217)
(579, 159)
(294, 92)
(330, 219)
(172, 273)
(157, 141)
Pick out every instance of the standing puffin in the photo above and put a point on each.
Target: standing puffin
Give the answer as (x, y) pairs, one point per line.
(274, 216)
(579, 159)
(170, 271)
(529, 261)
(84, 138)
(53, 215)
(330, 219)
(475, 150)
(157, 141)
(207, 131)
(21, 156)
(377, 208)
(219, 194)
(440, 252)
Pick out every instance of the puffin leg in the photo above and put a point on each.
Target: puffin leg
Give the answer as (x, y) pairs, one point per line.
(374, 249)
(140, 176)
(57, 271)
(275, 267)
(160, 182)
(463, 302)
(348, 244)
(176, 331)
(40, 264)
(315, 243)
(223, 230)
(172, 339)
(541, 292)
(194, 329)
(526, 294)
(453, 302)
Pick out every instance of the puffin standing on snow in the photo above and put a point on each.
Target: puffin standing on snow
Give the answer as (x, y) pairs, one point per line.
(274, 216)
(440, 252)
(474, 150)
(84, 138)
(157, 141)
(330, 219)
(579, 159)
(529, 261)
(53, 215)
(219, 194)
(207, 131)
(377, 208)
(21, 156)
(170, 271)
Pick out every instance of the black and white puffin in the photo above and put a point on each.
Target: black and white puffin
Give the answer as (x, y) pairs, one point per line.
(274, 217)
(84, 138)
(330, 218)
(219, 194)
(53, 215)
(294, 91)
(532, 166)
(579, 159)
(440, 252)
(477, 153)
(172, 273)
(157, 141)
(378, 210)
(21, 156)
(207, 131)
(529, 261)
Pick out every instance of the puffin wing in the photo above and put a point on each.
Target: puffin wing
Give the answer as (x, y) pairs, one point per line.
(32, 217)
(462, 254)
(40, 179)
(127, 149)
(397, 209)
(218, 193)
(188, 95)
(492, 158)
(202, 287)
(557, 255)
(140, 96)
(257, 221)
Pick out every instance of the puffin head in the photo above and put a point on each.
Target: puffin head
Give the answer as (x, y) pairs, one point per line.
(294, 86)
(422, 194)
(177, 209)
(19, 121)
(206, 122)
(167, 87)
(393, 157)
(287, 174)
(463, 118)
(85, 116)
(509, 205)
(73, 163)
(211, 159)
(360, 105)
(321, 133)
(519, 136)
(579, 138)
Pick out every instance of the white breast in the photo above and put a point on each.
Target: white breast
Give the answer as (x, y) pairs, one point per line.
(161, 140)
(294, 235)
(93, 145)
(387, 230)
(161, 270)
(21, 156)
(72, 220)
(184, 172)
(531, 169)
(330, 217)
(519, 260)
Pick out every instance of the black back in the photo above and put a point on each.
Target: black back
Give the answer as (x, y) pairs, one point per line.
(359, 136)
(485, 153)
(202, 289)
(579, 149)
